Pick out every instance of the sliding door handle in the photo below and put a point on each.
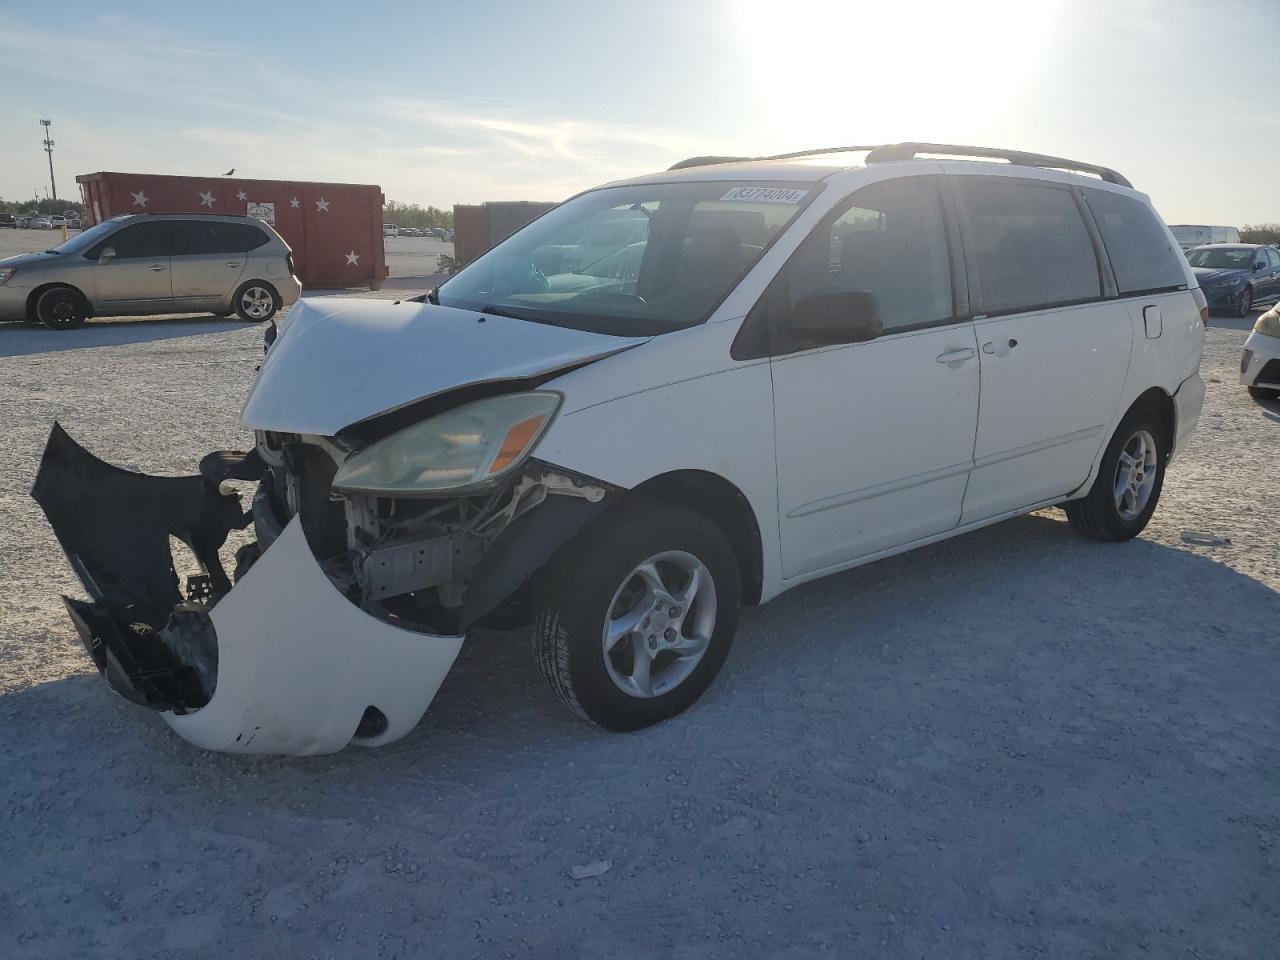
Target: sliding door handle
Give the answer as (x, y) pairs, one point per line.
(955, 357)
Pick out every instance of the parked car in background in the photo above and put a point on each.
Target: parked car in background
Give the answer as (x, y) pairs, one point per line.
(40, 223)
(148, 263)
(1260, 361)
(57, 222)
(75, 223)
(733, 404)
(1236, 277)
(1191, 235)
(8, 220)
(390, 230)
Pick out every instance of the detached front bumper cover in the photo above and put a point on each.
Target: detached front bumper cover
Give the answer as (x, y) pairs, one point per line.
(281, 663)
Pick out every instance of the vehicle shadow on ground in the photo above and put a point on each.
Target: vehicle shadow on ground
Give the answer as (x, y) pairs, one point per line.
(1234, 323)
(954, 618)
(24, 339)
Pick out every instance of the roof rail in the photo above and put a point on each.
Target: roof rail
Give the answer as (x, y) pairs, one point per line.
(907, 151)
(707, 161)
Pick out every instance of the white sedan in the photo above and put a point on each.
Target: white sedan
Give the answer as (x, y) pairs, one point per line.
(1260, 363)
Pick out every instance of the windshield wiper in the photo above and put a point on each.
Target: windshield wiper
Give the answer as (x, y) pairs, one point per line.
(57, 253)
(496, 311)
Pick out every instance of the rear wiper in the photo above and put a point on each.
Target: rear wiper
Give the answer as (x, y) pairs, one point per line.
(56, 253)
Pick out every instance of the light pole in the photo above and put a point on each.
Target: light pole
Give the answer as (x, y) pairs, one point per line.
(48, 148)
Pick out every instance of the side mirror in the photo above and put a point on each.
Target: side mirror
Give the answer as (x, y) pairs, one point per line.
(107, 255)
(1259, 265)
(827, 317)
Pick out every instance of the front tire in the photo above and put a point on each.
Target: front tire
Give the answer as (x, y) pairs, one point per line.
(62, 308)
(1246, 302)
(634, 618)
(1125, 493)
(256, 301)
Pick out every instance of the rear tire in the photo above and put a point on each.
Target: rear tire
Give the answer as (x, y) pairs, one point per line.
(604, 581)
(256, 301)
(62, 308)
(1105, 514)
(1264, 393)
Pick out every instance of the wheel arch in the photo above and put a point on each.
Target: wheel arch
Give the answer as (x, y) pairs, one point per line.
(721, 502)
(1161, 403)
(37, 292)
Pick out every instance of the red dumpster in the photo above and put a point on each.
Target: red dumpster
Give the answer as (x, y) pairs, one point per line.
(335, 229)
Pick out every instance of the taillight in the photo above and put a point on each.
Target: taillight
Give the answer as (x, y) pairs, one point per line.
(288, 258)
(1198, 296)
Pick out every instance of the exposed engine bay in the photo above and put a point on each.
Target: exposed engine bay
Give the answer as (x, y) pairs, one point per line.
(420, 561)
(430, 564)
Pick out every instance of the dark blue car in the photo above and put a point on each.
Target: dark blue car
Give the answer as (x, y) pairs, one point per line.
(1236, 277)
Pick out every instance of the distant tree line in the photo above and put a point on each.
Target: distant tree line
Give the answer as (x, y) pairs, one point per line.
(41, 206)
(412, 215)
(1260, 233)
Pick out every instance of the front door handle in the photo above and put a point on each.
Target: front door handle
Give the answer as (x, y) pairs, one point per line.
(234, 264)
(157, 267)
(999, 348)
(957, 356)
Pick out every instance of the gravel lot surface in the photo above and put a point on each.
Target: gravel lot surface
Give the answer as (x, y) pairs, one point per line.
(1015, 744)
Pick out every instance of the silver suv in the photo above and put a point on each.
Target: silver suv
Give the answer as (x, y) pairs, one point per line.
(153, 264)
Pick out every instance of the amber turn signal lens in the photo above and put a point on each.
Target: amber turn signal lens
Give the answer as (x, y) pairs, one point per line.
(516, 441)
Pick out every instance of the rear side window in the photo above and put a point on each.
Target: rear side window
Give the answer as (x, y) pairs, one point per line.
(196, 237)
(1029, 243)
(1141, 253)
(1273, 257)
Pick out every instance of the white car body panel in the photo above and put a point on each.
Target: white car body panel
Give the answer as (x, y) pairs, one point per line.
(298, 663)
(839, 501)
(403, 352)
(1259, 349)
(1030, 451)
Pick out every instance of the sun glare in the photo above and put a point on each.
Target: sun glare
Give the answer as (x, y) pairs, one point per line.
(831, 72)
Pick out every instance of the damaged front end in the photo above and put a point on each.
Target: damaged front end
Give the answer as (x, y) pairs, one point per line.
(347, 610)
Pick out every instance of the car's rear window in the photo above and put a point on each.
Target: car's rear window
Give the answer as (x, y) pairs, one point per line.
(1142, 255)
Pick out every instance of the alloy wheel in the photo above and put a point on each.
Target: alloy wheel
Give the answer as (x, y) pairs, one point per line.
(1135, 475)
(257, 302)
(660, 624)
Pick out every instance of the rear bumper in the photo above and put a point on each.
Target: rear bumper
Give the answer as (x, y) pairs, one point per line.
(1260, 361)
(280, 663)
(1187, 400)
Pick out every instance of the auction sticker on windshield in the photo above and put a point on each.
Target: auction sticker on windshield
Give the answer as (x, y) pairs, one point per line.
(766, 195)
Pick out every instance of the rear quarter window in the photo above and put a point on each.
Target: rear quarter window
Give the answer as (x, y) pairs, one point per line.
(1029, 243)
(1141, 253)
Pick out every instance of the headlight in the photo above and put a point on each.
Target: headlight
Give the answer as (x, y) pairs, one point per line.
(1269, 323)
(6, 273)
(465, 447)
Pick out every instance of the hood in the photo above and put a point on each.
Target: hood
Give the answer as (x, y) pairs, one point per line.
(340, 361)
(1208, 276)
(26, 259)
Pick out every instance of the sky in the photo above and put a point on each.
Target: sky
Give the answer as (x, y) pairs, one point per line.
(443, 103)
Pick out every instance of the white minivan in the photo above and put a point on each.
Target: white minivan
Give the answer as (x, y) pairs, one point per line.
(797, 365)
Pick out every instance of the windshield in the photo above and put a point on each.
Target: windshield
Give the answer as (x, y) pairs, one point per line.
(631, 261)
(1221, 258)
(86, 238)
